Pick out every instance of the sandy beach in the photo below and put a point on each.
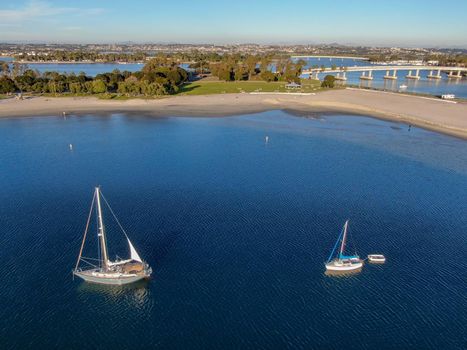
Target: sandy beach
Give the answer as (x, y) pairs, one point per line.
(429, 113)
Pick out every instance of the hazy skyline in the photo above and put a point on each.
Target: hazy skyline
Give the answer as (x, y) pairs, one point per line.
(392, 23)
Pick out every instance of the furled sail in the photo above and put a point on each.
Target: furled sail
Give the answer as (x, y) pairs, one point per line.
(134, 254)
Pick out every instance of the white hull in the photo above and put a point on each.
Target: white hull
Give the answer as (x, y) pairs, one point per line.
(342, 267)
(376, 259)
(110, 278)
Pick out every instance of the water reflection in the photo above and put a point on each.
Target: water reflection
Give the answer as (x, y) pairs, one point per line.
(343, 273)
(136, 293)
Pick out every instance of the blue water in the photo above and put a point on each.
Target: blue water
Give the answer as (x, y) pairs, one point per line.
(236, 231)
(90, 69)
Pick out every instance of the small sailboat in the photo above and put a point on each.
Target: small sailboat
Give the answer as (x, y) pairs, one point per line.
(377, 258)
(118, 272)
(341, 262)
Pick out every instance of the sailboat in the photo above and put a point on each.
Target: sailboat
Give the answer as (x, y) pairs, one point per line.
(341, 262)
(103, 270)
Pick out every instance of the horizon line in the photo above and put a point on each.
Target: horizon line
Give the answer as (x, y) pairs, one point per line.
(132, 42)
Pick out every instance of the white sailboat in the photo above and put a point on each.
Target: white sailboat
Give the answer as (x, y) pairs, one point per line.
(341, 262)
(106, 271)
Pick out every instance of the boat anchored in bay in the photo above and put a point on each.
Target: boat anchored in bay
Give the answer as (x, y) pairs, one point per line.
(341, 262)
(116, 272)
(377, 258)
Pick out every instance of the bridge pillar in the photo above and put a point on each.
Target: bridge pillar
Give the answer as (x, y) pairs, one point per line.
(340, 77)
(455, 76)
(366, 77)
(410, 76)
(389, 76)
(434, 76)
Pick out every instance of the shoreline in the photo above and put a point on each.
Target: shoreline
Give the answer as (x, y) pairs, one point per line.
(431, 114)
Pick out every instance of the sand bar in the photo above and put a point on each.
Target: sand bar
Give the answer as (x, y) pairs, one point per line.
(432, 114)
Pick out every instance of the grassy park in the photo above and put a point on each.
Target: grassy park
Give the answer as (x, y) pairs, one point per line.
(227, 87)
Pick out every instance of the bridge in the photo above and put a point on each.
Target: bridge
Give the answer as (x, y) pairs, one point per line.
(391, 71)
(331, 57)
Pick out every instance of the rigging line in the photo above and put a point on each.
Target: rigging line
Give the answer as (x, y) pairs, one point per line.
(87, 258)
(87, 262)
(335, 245)
(85, 231)
(115, 217)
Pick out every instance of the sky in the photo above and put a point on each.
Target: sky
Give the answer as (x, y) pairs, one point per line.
(408, 23)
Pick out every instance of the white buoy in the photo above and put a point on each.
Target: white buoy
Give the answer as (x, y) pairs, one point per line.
(266, 139)
(71, 147)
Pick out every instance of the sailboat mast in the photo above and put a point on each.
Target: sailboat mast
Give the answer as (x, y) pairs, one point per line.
(344, 237)
(101, 233)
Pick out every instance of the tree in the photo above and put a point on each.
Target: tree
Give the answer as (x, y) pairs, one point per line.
(18, 69)
(250, 63)
(98, 87)
(241, 73)
(7, 85)
(328, 81)
(292, 72)
(265, 62)
(268, 76)
(25, 82)
(161, 60)
(76, 88)
(5, 68)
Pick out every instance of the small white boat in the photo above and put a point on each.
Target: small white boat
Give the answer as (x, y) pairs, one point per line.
(343, 263)
(448, 96)
(377, 258)
(403, 86)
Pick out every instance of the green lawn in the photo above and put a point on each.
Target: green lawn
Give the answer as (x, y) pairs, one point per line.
(219, 87)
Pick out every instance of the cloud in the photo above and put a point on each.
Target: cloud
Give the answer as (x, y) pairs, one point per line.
(41, 9)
